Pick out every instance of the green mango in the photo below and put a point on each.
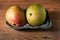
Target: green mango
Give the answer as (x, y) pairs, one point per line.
(36, 15)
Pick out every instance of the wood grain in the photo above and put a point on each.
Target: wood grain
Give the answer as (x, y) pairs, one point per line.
(53, 7)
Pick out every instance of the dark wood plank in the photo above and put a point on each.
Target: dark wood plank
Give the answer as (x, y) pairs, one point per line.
(53, 7)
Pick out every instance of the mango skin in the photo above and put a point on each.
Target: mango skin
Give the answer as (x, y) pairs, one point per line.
(15, 16)
(36, 15)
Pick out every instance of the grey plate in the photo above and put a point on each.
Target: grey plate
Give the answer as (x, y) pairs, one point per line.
(47, 24)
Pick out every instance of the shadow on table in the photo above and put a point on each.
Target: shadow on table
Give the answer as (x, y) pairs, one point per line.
(52, 29)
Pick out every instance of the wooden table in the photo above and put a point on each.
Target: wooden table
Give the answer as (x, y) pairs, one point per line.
(53, 7)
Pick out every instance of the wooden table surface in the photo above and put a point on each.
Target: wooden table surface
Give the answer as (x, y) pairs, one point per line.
(53, 7)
